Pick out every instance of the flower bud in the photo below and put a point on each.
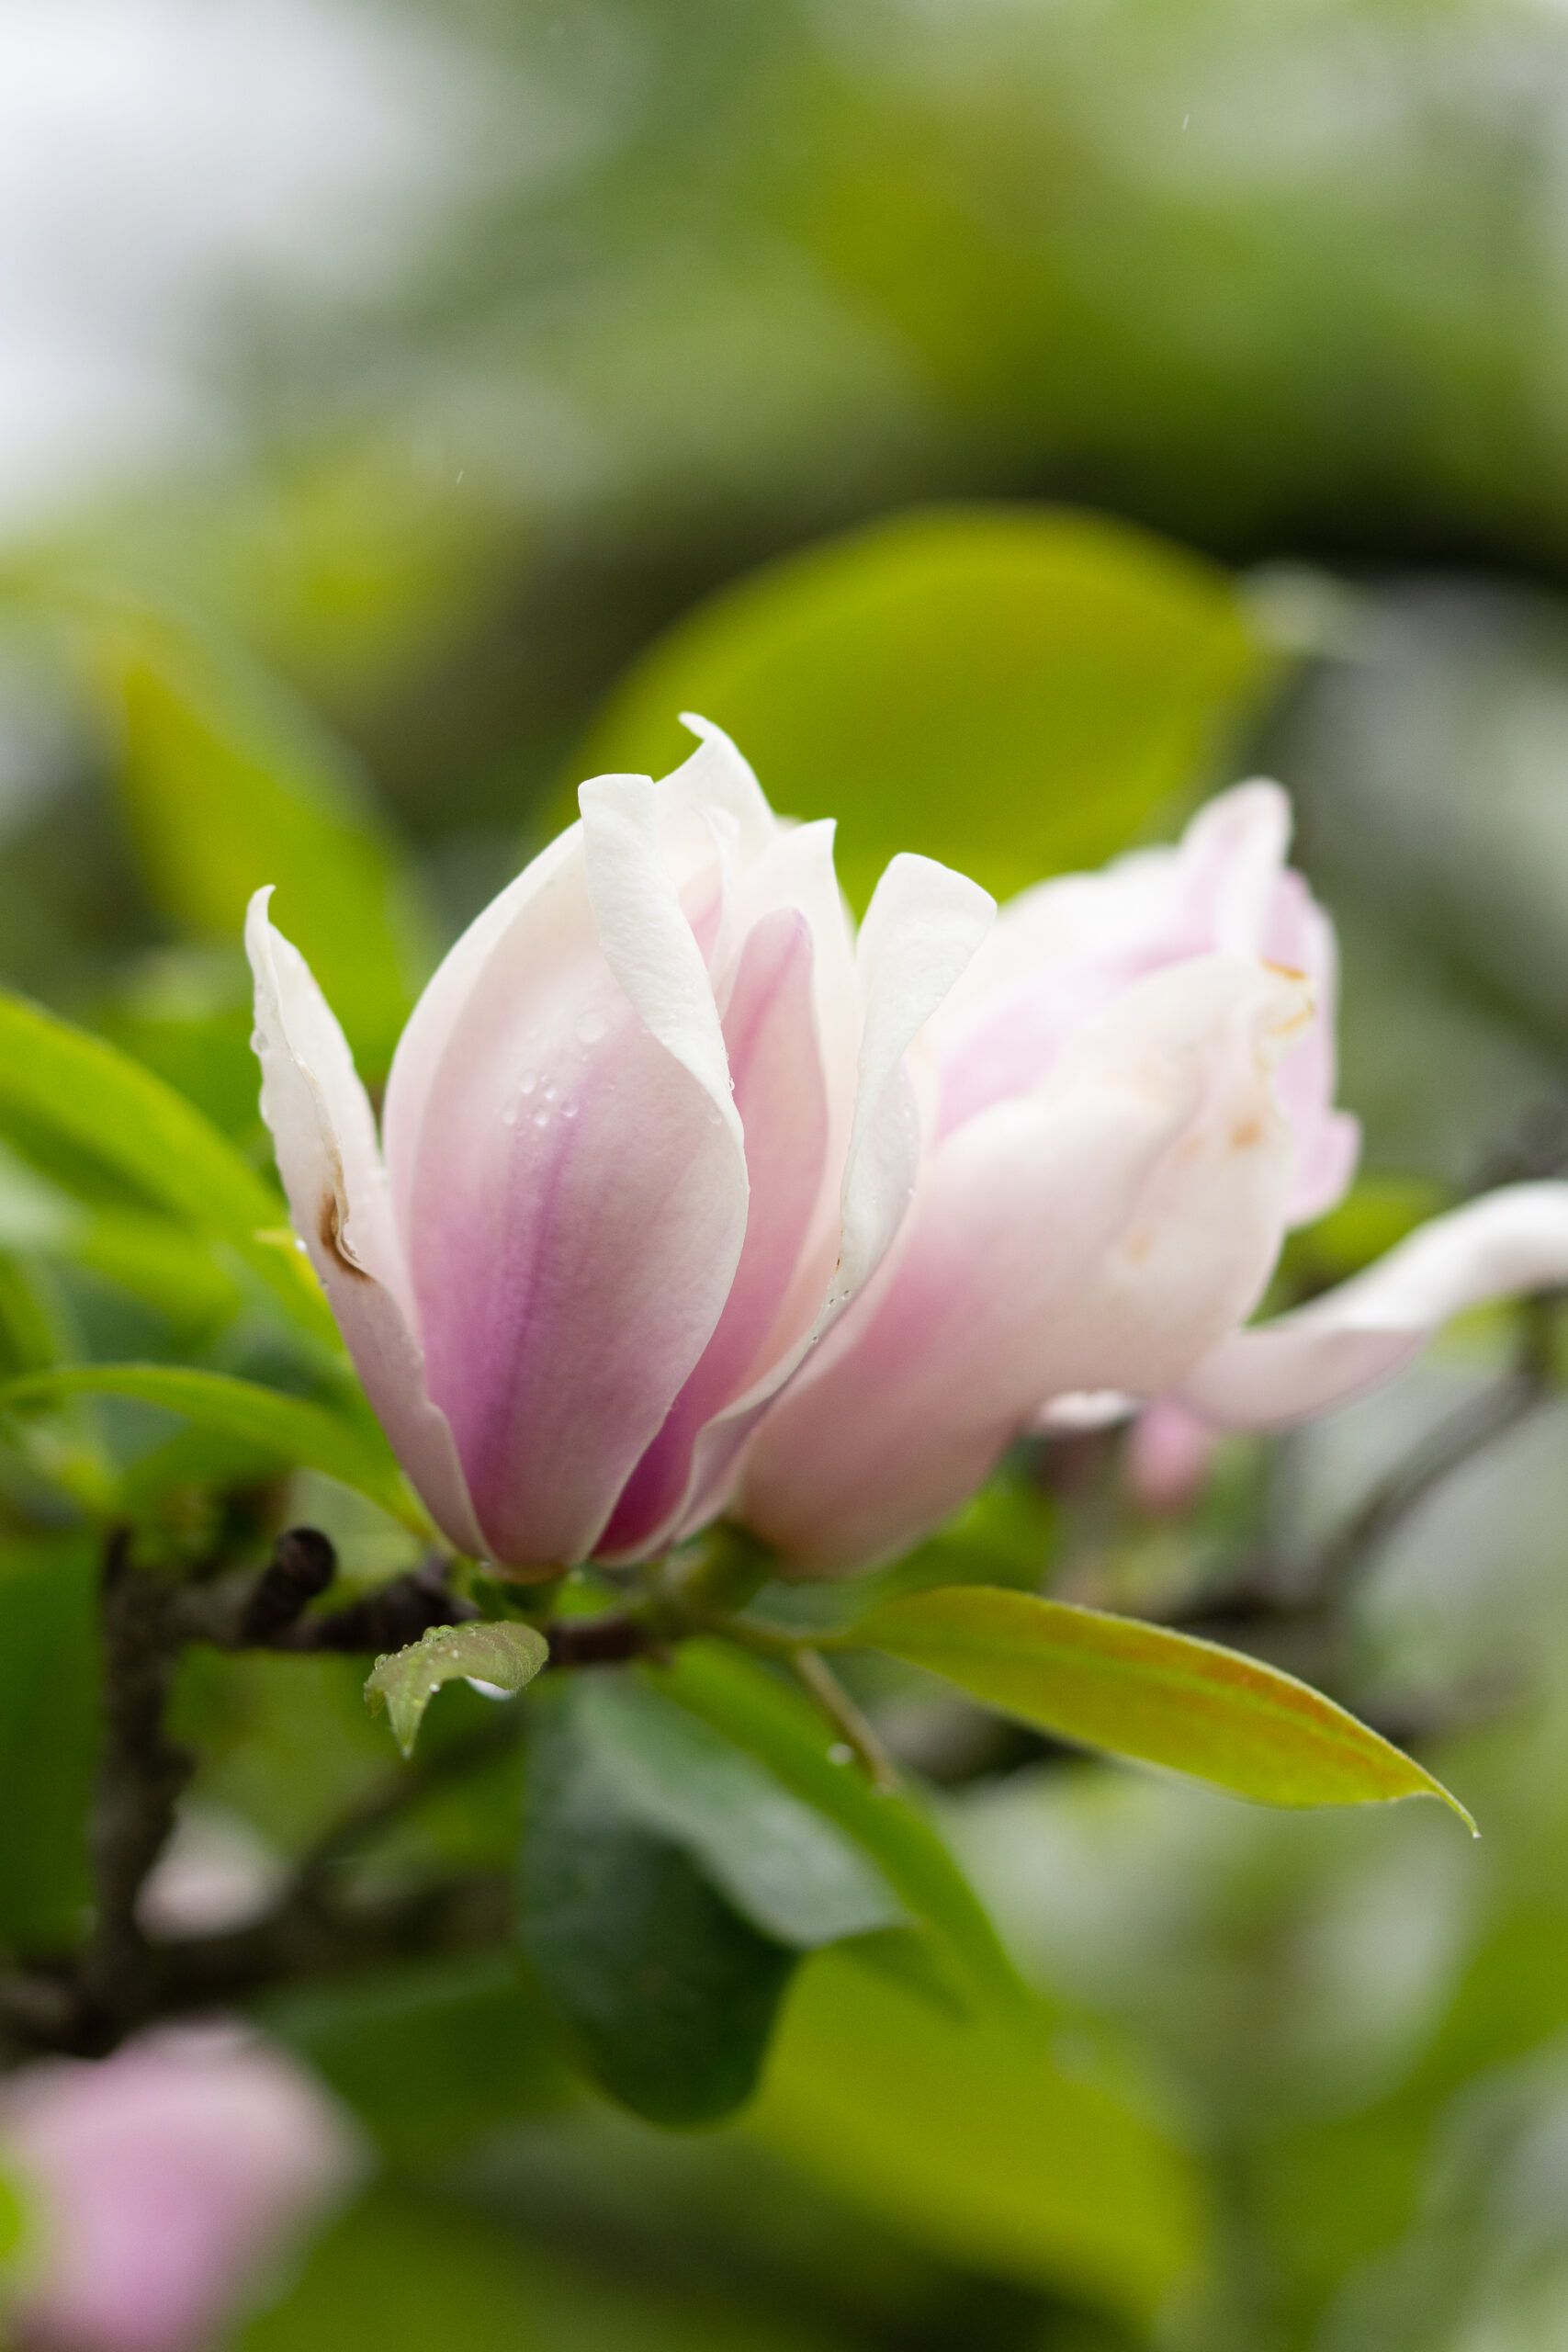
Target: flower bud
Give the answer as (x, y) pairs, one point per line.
(161, 2182)
(647, 1132)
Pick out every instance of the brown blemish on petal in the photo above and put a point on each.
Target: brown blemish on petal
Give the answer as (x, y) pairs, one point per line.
(329, 1232)
(1246, 1133)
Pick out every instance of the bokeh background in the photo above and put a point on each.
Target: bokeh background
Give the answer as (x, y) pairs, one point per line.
(1013, 418)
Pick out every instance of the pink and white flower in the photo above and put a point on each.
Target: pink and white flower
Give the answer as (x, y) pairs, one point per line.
(647, 1132)
(1127, 1101)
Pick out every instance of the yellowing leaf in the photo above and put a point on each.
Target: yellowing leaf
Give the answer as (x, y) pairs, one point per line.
(1141, 1691)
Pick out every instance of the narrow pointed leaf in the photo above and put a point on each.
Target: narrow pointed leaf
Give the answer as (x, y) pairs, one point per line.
(291, 1429)
(1138, 1690)
(405, 1681)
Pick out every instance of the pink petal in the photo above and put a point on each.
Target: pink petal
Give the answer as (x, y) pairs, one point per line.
(923, 928)
(430, 1026)
(780, 1095)
(1512, 1240)
(324, 1137)
(578, 1200)
(1052, 1247)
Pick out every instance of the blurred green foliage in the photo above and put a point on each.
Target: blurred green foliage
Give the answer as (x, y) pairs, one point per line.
(720, 286)
(1080, 678)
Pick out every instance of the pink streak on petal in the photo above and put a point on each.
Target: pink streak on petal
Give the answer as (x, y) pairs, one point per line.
(430, 1026)
(575, 1215)
(779, 1093)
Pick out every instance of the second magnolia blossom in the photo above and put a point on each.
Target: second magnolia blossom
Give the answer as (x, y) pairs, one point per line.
(646, 1131)
(1126, 1102)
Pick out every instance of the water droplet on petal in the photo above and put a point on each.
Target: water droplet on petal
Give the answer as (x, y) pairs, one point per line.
(526, 1083)
(591, 1027)
(568, 1111)
(541, 1119)
(551, 1093)
(509, 1117)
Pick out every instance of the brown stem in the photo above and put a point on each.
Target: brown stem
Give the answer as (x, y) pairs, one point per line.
(139, 1777)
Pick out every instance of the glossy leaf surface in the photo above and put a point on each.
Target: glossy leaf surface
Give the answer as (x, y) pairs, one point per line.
(762, 1714)
(787, 1869)
(1139, 1690)
(668, 1993)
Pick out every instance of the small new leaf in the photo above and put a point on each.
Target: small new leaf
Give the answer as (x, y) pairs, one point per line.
(405, 1681)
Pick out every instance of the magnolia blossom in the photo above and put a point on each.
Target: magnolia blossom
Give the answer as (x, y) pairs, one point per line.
(160, 2182)
(647, 1132)
(1126, 1102)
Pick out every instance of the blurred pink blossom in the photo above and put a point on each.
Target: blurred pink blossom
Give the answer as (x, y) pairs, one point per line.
(1169, 1453)
(163, 2180)
(646, 1131)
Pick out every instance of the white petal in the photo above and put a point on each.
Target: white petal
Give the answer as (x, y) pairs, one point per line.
(716, 777)
(324, 1137)
(923, 928)
(1513, 1240)
(646, 938)
(434, 1018)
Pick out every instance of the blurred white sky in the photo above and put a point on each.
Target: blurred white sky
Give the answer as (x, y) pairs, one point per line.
(159, 155)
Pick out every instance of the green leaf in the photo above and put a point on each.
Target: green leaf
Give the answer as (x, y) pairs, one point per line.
(1016, 2146)
(289, 1429)
(786, 1868)
(427, 2056)
(229, 784)
(1138, 1690)
(759, 1713)
(13, 2222)
(48, 1737)
(29, 1324)
(405, 1681)
(1376, 1214)
(74, 1086)
(164, 1264)
(408, 2269)
(1016, 693)
(668, 1994)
